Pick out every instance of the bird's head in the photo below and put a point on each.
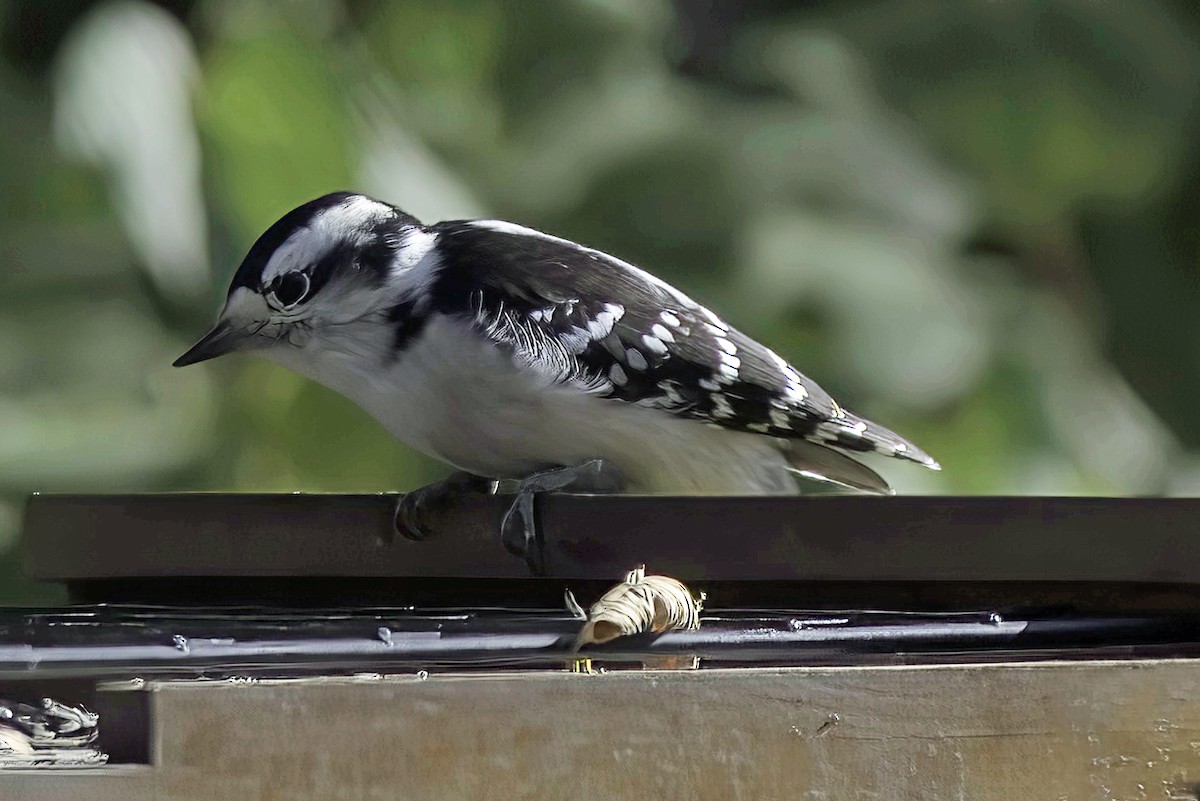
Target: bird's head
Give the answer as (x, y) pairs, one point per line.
(334, 261)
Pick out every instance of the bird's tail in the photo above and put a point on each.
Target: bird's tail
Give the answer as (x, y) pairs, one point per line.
(819, 463)
(852, 433)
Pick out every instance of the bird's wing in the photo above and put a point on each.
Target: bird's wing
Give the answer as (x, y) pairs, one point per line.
(583, 317)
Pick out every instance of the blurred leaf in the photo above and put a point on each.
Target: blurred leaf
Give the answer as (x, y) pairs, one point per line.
(123, 102)
(299, 435)
(443, 57)
(277, 127)
(1044, 147)
(665, 207)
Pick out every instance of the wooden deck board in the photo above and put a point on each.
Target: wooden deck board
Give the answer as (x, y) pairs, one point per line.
(1099, 730)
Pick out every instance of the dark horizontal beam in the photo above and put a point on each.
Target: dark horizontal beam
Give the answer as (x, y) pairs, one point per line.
(820, 538)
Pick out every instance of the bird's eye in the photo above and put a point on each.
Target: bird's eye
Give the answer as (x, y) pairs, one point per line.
(289, 289)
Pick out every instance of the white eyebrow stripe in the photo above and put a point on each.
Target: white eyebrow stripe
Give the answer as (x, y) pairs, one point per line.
(346, 222)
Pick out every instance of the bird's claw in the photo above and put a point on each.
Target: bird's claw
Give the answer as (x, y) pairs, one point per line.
(519, 531)
(416, 512)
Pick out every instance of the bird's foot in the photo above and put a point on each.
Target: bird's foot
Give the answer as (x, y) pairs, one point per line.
(583, 665)
(519, 530)
(417, 511)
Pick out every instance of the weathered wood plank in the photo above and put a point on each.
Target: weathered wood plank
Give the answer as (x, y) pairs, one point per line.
(1112, 730)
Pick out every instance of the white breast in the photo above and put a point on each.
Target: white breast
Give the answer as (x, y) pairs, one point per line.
(459, 398)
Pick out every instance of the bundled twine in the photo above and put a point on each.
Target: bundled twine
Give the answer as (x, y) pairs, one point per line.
(637, 605)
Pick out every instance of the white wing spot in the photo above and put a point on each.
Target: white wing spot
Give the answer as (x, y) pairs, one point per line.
(727, 372)
(727, 346)
(671, 390)
(716, 330)
(602, 326)
(617, 375)
(654, 345)
(716, 321)
(732, 361)
(615, 309)
(662, 333)
(709, 384)
(635, 359)
(669, 318)
(794, 387)
(721, 407)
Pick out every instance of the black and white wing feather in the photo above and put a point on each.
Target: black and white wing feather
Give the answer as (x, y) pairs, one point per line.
(583, 317)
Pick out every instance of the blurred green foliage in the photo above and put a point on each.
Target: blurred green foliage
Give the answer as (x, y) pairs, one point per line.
(975, 222)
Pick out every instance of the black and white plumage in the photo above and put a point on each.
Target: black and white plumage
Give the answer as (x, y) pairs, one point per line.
(505, 351)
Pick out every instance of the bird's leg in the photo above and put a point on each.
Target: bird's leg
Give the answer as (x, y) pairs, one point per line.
(416, 511)
(518, 529)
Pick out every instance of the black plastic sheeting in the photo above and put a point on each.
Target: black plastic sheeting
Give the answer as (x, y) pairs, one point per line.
(124, 642)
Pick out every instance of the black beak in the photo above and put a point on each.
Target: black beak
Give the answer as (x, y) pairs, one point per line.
(217, 342)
